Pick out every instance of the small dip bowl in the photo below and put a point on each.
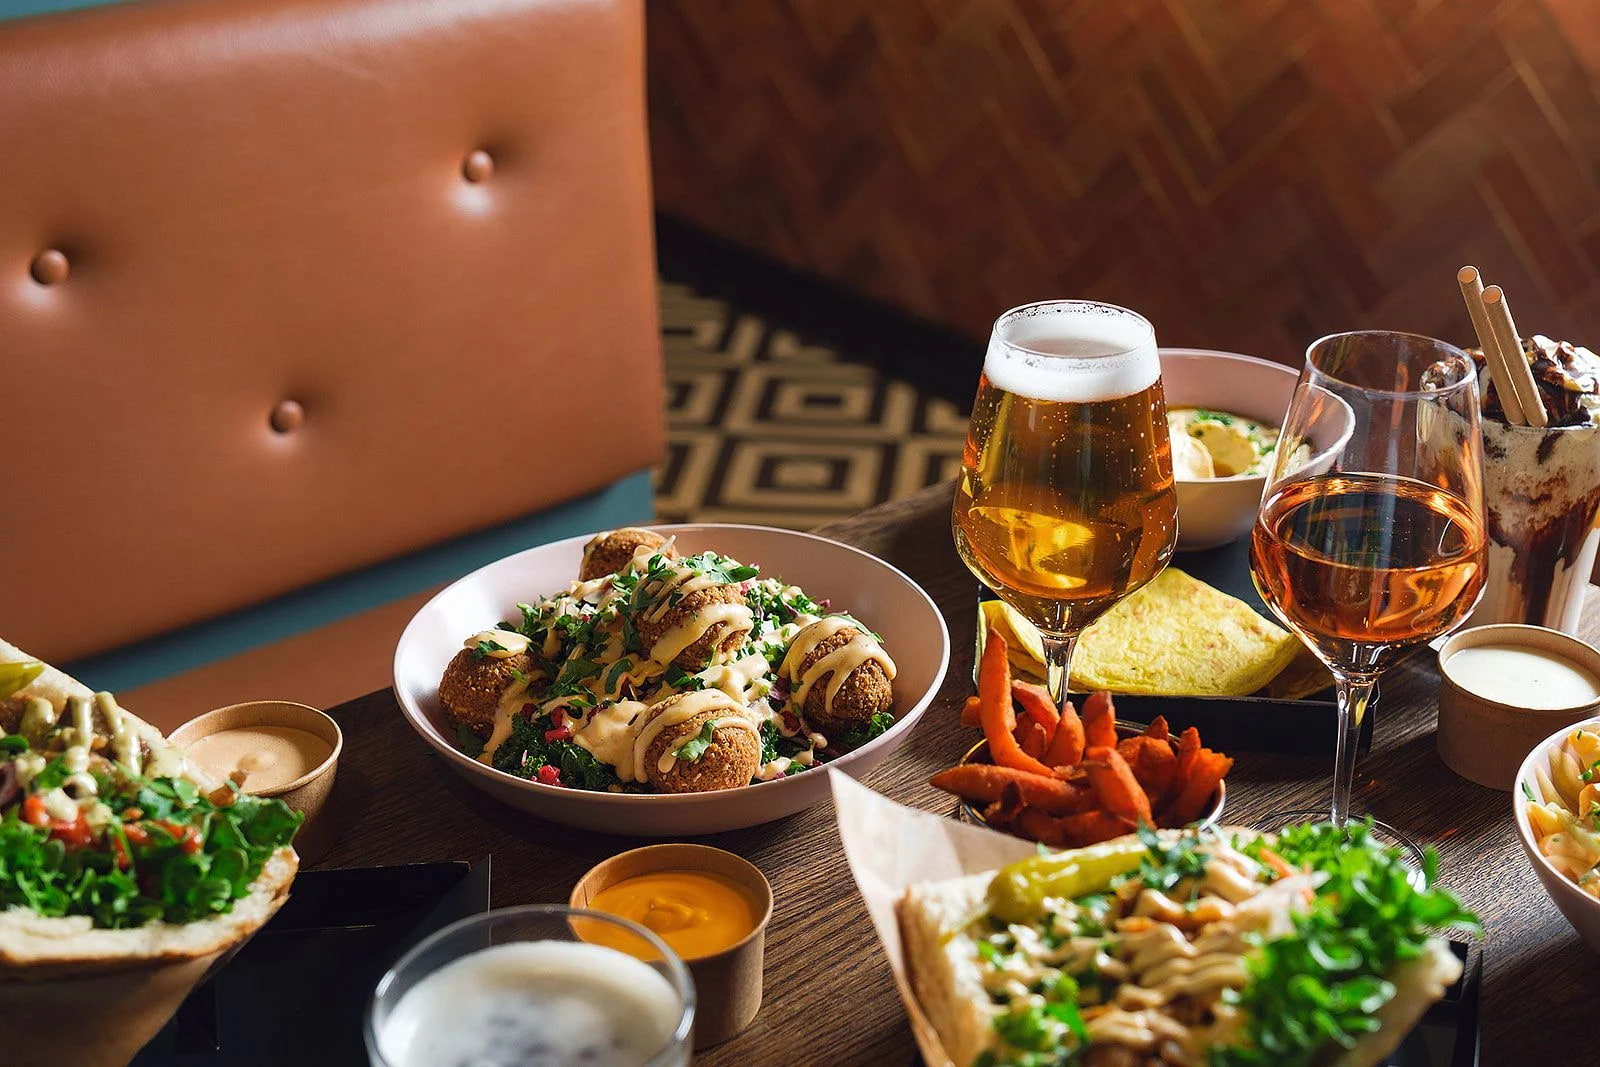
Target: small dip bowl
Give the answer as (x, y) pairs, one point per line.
(1485, 740)
(979, 753)
(727, 983)
(308, 793)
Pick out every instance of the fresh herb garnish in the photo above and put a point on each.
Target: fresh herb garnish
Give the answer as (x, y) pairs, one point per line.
(525, 750)
(1321, 987)
(682, 680)
(1164, 865)
(696, 746)
(1047, 1031)
(618, 669)
(55, 772)
(860, 735)
(13, 744)
(1213, 416)
(180, 857)
(484, 647)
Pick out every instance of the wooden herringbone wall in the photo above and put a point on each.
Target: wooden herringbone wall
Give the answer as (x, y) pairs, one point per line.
(1249, 173)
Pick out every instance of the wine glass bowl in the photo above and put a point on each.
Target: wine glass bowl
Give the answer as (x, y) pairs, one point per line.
(1375, 546)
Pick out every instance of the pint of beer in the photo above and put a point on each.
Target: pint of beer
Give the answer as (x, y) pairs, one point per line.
(1066, 501)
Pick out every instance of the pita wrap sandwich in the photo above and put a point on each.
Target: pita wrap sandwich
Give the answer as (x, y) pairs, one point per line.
(116, 852)
(1224, 948)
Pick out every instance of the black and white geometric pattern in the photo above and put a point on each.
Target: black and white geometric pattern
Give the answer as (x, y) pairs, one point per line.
(766, 428)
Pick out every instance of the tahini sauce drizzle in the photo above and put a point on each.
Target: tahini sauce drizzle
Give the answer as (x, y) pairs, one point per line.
(841, 662)
(622, 733)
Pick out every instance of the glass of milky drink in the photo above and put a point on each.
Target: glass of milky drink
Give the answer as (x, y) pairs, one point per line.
(1541, 489)
(529, 987)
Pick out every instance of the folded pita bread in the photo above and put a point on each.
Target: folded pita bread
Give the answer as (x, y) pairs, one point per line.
(34, 947)
(940, 923)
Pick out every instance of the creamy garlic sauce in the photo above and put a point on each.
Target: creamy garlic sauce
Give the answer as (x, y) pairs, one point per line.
(669, 758)
(1159, 951)
(1523, 677)
(550, 1003)
(260, 758)
(736, 617)
(505, 710)
(509, 643)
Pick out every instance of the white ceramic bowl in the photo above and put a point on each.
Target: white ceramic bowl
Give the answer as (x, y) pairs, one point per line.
(892, 604)
(1581, 910)
(1214, 511)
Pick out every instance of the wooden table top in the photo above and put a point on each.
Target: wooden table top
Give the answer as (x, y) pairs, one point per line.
(828, 987)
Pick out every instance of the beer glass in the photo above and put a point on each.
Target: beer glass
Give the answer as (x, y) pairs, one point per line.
(1066, 503)
(1370, 538)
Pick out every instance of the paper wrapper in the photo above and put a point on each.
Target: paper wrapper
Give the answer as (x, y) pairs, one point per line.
(890, 848)
(95, 1020)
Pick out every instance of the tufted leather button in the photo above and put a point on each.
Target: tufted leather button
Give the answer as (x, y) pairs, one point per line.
(287, 416)
(478, 167)
(50, 267)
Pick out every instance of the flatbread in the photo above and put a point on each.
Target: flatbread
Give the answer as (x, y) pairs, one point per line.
(1179, 637)
(33, 947)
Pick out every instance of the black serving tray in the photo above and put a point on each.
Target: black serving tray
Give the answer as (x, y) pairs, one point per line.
(297, 992)
(1447, 1036)
(1240, 724)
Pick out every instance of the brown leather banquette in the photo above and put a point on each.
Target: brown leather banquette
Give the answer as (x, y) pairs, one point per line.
(288, 287)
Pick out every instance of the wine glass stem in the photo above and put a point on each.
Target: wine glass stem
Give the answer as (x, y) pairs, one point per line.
(1354, 693)
(1058, 664)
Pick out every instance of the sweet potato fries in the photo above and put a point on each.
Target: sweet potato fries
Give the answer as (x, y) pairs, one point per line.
(1063, 779)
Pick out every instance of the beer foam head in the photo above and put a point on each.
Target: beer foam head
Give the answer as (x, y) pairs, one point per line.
(1072, 350)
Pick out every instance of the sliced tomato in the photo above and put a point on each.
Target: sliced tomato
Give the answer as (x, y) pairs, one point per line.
(33, 811)
(73, 833)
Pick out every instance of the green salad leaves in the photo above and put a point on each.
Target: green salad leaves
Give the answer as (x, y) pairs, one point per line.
(525, 751)
(165, 851)
(1322, 987)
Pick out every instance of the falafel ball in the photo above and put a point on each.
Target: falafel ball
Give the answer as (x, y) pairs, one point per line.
(608, 553)
(864, 693)
(473, 685)
(721, 637)
(731, 760)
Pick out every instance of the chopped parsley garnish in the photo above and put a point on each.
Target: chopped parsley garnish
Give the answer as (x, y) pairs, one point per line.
(525, 750)
(859, 736)
(696, 746)
(682, 680)
(573, 673)
(769, 742)
(1213, 416)
(1165, 865)
(482, 649)
(1320, 988)
(1044, 1032)
(618, 669)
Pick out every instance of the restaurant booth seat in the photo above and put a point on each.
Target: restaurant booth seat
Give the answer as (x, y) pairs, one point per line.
(306, 308)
